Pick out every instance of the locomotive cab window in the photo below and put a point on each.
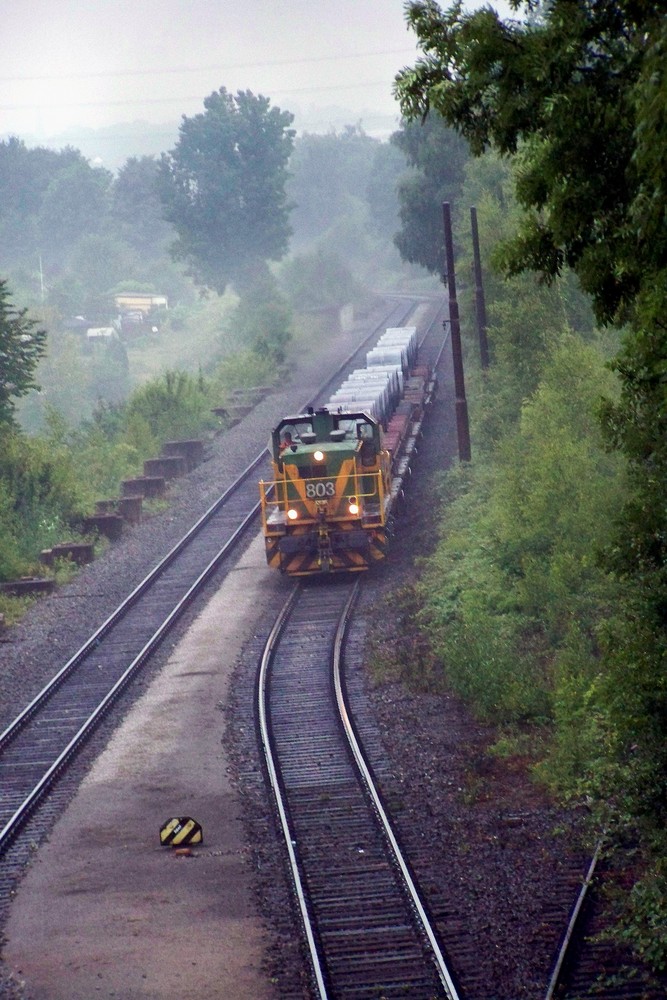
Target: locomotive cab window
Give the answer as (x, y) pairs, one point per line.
(313, 471)
(368, 453)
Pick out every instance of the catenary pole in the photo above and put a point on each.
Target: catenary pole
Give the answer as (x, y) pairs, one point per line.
(462, 426)
(480, 304)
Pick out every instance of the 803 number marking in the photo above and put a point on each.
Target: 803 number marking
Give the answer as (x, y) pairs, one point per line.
(318, 491)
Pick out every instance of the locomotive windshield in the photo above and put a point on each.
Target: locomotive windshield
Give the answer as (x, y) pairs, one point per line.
(295, 434)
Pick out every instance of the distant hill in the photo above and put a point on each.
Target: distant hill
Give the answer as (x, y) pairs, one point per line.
(112, 145)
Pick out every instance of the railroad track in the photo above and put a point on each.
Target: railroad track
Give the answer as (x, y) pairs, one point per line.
(367, 929)
(37, 747)
(589, 963)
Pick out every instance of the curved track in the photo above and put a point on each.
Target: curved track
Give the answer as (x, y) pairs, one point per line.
(367, 929)
(37, 746)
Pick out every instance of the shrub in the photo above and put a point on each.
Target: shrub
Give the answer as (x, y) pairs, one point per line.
(516, 568)
(174, 405)
(41, 499)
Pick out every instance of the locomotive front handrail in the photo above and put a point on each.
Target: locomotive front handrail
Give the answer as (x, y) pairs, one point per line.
(275, 498)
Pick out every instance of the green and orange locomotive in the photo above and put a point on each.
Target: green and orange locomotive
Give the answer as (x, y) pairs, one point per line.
(326, 509)
(338, 469)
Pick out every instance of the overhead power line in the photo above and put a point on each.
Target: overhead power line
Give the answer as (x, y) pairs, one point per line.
(171, 70)
(143, 101)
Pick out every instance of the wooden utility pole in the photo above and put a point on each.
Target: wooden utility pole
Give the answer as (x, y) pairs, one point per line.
(480, 304)
(462, 426)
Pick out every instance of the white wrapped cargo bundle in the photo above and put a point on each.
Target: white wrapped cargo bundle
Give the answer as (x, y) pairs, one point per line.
(390, 355)
(405, 336)
(387, 378)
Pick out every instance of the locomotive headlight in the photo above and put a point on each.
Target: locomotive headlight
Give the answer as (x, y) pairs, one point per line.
(353, 506)
(292, 514)
(318, 456)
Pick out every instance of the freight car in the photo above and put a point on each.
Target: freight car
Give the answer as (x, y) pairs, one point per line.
(339, 469)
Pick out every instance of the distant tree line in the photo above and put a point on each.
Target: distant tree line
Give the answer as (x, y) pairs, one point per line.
(70, 231)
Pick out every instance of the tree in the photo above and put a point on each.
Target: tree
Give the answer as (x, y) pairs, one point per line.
(382, 189)
(24, 177)
(75, 204)
(328, 174)
(575, 93)
(437, 157)
(223, 187)
(319, 279)
(137, 207)
(21, 347)
(579, 96)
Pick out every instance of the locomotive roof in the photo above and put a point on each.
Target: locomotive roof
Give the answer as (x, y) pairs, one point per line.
(336, 415)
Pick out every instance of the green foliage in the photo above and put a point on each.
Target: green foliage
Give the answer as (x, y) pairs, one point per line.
(110, 372)
(137, 209)
(176, 405)
(633, 704)
(328, 173)
(74, 204)
(525, 318)
(515, 576)
(644, 926)
(69, 231)
(40, 497)
(21, 346)
(64, 372)
(262, 319)
(382, 189)
(318, 279)
(343, 189)
(579, 96)
(13, 608)
(242, 370)
(99, 261)
(437, 158)
(25, 175)
(12, 563)
(566, 87)
(266, 326)
(575, 763)
(524, 325)
(223, 187)
(395, 651)
(103, 457)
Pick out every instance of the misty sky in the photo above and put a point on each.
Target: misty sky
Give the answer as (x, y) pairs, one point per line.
(69, 63)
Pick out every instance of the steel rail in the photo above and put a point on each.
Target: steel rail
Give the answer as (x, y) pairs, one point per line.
(16, 821)
(362, 766)
(281, 806)
(554, 981)
(124, 606)
(312, 909)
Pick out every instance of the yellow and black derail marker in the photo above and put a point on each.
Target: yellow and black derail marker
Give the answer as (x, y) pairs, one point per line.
(179, 831)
